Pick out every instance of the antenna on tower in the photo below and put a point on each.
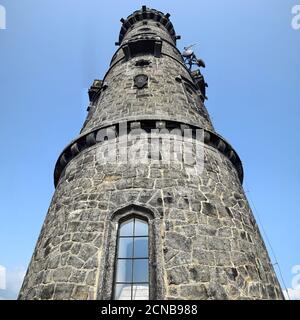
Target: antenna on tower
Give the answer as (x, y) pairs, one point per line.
(188, 51)
(190, 58)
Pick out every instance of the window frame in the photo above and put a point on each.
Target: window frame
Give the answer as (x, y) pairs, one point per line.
(107, 257)
(132, 283)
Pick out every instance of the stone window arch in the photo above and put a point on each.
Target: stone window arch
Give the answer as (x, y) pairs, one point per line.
(111, 286)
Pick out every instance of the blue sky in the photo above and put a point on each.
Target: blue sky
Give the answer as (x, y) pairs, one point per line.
(52, 50)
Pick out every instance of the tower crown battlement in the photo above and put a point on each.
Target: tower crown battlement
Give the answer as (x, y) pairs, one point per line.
(146, 16)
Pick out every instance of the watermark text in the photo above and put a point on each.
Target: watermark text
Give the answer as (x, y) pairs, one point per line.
(296, 278)
(2, 17)
(296, 17)
(2, 278)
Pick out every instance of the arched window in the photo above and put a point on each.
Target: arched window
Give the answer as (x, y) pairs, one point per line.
(132, 259)
(131, 279)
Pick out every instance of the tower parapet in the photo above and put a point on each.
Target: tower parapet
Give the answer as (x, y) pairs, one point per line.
(148, 20)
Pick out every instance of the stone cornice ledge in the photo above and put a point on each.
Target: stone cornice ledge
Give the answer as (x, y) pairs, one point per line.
(89, 139)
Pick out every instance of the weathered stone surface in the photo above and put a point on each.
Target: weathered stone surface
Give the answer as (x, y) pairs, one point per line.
(61, 274)
(209, 209)
(63, 291)
(81, 293)
(203, 257)
(216, 291)
(177, 241)
(194, 292)
(177, 275)
(199, 273)
(75, 262)
(47, 292)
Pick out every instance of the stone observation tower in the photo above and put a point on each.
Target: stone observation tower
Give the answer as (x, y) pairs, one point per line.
(129, 221)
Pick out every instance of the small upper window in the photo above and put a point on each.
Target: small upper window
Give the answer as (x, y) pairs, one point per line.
(132, 261)
(141, 46)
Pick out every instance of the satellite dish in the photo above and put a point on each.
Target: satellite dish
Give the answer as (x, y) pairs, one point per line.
(200, 63)
(188, 51)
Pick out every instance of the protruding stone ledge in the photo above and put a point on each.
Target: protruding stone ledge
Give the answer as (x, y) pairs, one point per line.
(114, 130)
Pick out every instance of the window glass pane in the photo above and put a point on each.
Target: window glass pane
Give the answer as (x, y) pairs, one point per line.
(124, 271)
(140, 292)
(132, 263)
(140, 270)
(122, 292)
(141, 228)
(125, 249)
(126, 228)
(141, 247)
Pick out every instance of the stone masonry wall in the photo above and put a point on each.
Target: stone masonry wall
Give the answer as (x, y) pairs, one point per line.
(210, 244)
(163, 98)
